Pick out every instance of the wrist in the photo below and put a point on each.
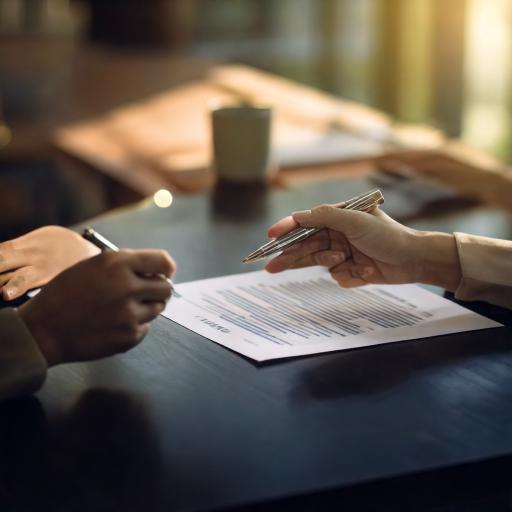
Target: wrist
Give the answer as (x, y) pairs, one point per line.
(437, 259)
(44, 340)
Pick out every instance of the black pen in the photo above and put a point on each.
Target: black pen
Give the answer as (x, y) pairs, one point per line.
(91, 235)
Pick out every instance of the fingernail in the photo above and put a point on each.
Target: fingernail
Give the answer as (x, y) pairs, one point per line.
(9, 292)
(302, 215)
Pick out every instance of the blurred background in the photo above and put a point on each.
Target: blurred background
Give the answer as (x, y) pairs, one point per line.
(443, 63)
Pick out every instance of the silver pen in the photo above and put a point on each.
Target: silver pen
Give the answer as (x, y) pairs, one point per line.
(91, 235)
(365, 202)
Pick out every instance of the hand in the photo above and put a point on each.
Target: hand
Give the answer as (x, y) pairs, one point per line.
(472, 175)
(34, 259)
(360, 248)
(99, 306)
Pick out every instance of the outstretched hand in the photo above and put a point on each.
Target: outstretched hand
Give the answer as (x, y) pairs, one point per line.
(470, 175)
(360, 248)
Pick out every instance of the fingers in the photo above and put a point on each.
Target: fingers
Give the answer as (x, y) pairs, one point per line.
(350, 274)
(301, 252)
(323, 258)
(127, 274)
(284, 262)
(127, 318)
(282, 227)
(153, 288)
(151, 261)
(5, 277)
(11, 257)
(329, 259)
(20, 282)
(350, 222)
(326, 248)
(346, 280)
(145, 312)
(324, 216)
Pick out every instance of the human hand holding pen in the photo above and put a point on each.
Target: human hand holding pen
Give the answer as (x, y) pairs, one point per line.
(100, 306)
(92, 236)
(360, 248)
(364, 203)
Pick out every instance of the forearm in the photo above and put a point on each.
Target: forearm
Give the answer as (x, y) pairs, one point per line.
(437, 259)
(475, 268)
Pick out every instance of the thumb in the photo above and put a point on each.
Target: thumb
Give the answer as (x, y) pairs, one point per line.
(351, 222)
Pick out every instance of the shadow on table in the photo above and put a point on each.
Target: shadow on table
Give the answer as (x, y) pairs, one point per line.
(102, 455)
(239, 201)
(374, 369)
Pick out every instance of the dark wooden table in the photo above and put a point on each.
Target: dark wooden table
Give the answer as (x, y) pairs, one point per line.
(180, 423)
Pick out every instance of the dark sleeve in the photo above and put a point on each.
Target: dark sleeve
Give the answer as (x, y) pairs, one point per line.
(22, 365)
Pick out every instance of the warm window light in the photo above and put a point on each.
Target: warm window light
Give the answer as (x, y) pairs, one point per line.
(163, 198)
(486, 121)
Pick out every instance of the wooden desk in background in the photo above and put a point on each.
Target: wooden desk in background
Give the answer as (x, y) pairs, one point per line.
(165, 140)
(182, 424)
(50, 82)
(94, 98)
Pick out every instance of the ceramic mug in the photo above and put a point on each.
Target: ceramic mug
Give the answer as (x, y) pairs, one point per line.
(242, 143)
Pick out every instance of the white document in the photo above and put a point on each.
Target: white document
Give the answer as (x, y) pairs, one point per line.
(269, 316)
